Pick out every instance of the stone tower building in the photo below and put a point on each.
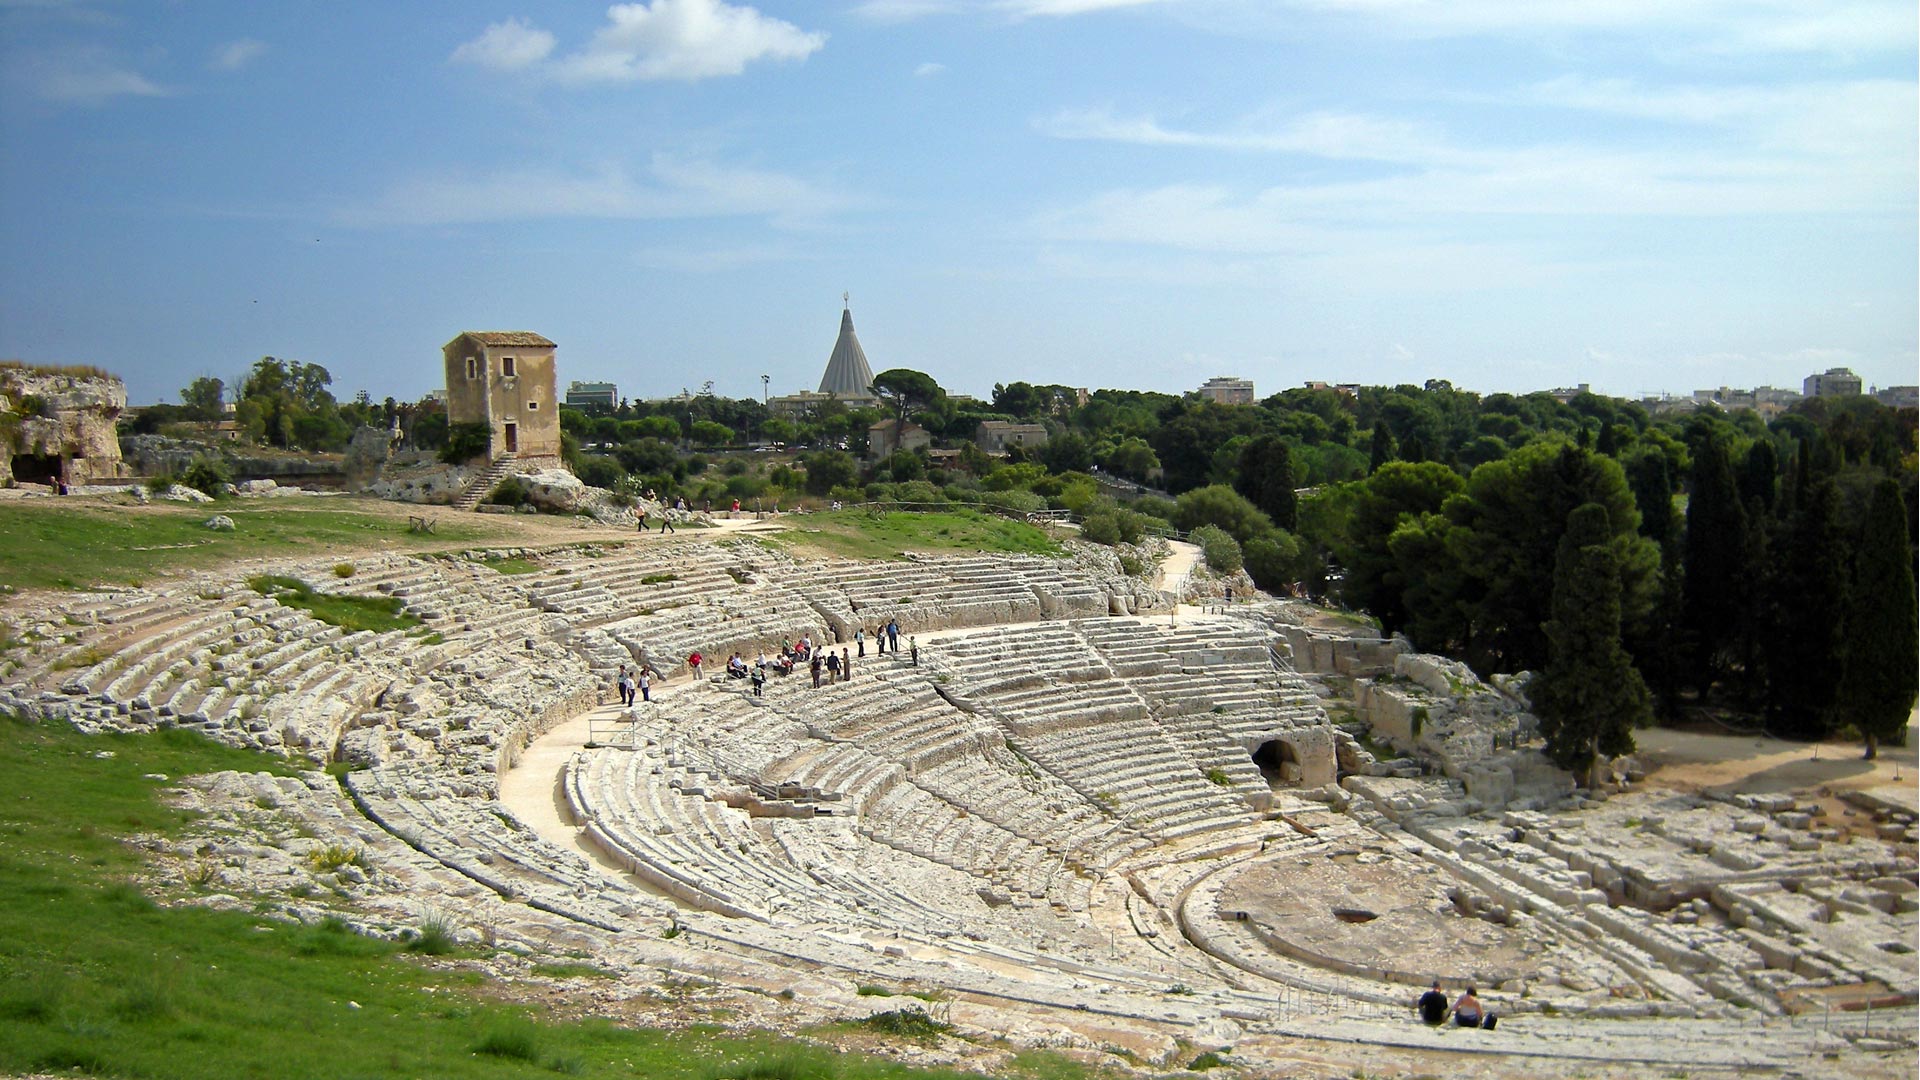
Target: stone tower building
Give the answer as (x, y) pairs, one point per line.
(504, 379)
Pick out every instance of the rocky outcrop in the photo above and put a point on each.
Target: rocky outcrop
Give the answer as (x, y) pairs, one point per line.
(61, 425)
(158, 455)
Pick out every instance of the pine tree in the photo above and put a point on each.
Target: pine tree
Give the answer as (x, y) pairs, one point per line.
(1590, 696)
(1879, 680)
(1805, 643)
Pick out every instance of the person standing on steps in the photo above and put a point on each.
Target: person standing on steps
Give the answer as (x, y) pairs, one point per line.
(646, 686)
(815, 668)
(893, 635)
(846, 666)
(666, 522)
(860, 639)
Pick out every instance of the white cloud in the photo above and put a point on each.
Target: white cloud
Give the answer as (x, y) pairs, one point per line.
(506, 46)
(1817, 148)
(929, 69)
(685, 39)
(670, 188)
(664, 39)
(86, 76)
(235, 55)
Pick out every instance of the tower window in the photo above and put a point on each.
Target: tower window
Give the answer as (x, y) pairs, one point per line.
(533, 406)
(506, 366)
(473, 367)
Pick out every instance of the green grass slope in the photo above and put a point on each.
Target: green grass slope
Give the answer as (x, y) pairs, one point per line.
(100, 977)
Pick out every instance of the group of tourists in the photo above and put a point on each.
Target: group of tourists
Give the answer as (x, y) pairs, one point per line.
(1467, 1011)
(825, 665)
(632, 684)
(666, 515)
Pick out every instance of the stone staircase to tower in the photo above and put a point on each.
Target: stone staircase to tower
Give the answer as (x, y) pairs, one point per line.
(484, 483)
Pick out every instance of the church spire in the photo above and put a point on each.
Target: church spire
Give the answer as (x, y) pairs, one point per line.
(847, 374)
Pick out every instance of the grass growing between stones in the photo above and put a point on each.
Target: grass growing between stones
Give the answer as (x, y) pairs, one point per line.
(376, 613)
(861, 534)
(101, 976)
(82, 543)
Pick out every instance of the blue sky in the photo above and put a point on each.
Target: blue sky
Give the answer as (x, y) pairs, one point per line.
(1646, 195)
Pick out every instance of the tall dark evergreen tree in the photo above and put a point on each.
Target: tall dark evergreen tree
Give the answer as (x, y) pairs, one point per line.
(1609, 441)
(1265, 477)
(1716, 570)
(1805, 643)
(1589, 697)
(1879, 679)
(1653, 495)
(1760, 476)
(1383, 449)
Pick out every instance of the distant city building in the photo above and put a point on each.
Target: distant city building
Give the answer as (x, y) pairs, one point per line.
(881, 438)
(1564, 394)
(592, 393)
(1898, 397)
(1226, 390)
(1771, 400)
(1349, 389)
(504, 379)
(1834, 382)
(994, 436)
(796, 404)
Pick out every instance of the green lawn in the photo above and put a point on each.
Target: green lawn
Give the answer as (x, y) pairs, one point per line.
(98, 976)
(861, 534)
(78, 544)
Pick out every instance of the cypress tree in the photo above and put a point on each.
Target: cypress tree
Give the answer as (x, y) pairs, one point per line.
(1805, 642)
(1609, 442)
(1590, 696)
(1652, 489)
(1716, 569)
(1879, 680)
(1760, 475)
(1265, 477)
(1382, 449)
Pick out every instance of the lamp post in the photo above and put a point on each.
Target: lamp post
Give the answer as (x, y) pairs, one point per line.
(764, 380)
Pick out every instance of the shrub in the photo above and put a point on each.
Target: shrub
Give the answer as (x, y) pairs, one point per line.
(207, 475)
(1100, 528)
(514, 1039)
(435, 937)
(161, 484)
(1222, 551)
(343, 570)
(466, 442)
(510, 492)
(911, 1023)
(600, 472)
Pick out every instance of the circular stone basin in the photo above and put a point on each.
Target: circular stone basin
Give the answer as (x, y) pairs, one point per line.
(1378, 915)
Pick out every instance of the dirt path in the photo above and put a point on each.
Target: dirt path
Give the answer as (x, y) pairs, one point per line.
(1755, 764)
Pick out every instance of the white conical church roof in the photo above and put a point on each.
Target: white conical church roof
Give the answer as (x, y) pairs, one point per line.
(848, 375)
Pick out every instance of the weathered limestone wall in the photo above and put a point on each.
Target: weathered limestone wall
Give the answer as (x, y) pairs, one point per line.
(74, 421)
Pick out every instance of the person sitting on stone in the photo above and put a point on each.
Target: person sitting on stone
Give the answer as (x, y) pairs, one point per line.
(1467, 1012)
(736, 666)
(1433, 1005)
